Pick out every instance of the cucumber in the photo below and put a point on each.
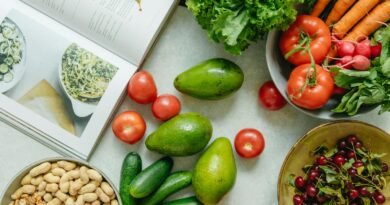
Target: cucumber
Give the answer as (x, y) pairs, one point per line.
(4, 68)
(192, 200)
(8, 77)
(175, 182)
(131, 167)
(151, 178)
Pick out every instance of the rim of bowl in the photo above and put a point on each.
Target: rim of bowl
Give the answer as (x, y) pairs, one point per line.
(306, 135)
(52, 159)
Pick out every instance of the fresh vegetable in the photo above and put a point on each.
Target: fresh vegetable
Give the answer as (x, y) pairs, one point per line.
(131, 167)
(347, 174)
(308, 87)
(150, 179)
(184, 201)
(357, 12)
(238, 23)
(363, 48)
(270, 96)
(129, 126)
(306, 34)
(10, 49)
(345, 48)
(376, 50)
(85, 76)
(338, 11)
(142, 88)
(212, 79)
(183, 135)
(360, 62)
(166, 106)
(215, 172)
(175, 182)
(371, 22)
(249, 143)
(369, 87)
(319, 7)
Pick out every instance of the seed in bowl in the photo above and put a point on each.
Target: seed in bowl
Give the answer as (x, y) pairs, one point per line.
(63, 182)
(349, 173)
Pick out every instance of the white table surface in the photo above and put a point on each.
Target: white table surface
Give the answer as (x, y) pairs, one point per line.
(183, 44)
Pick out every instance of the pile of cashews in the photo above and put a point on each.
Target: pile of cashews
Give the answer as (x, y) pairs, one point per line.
(63, 183)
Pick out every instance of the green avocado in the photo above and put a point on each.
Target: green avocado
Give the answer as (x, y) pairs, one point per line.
(215, 172)
(183, 135)
(212, 79)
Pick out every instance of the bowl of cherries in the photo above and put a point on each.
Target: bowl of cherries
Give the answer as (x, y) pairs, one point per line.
(343, 162)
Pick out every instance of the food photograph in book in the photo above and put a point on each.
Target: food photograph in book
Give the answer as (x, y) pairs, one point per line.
(55, 78)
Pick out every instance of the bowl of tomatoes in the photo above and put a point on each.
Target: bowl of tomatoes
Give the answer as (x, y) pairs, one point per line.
(327, 75)
(341, 162)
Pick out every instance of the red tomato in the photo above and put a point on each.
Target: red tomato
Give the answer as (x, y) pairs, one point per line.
(166, 106)
(249, 143)
(129, 127)
(142, 88)
(306, 28)
(270, 96)
(317, 91)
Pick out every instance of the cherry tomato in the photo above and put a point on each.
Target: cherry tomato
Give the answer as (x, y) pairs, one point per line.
(142, 88)
(166, 106)
(129, 127)
(249, 143)
(317, 91)
(270, 96)
(310, 29)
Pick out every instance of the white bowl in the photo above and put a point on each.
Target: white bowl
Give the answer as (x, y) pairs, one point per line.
(280, 71)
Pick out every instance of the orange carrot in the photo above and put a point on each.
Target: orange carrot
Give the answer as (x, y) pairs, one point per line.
(319, 7)
(339, 10)
(380, 14)
(358, 11)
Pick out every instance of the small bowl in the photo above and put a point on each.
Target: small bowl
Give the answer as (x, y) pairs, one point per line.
(15, 182)
(280, 70)
(328, 134)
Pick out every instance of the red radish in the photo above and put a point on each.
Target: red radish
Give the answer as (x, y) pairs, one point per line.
(346, 62)
(363, 48)
(376, 50)
(360, 62)
(345, 48)
(338, 91)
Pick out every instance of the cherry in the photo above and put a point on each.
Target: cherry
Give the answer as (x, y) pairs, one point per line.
(339, 160)
(313, 175)
(352, 171)
(299, 182)
(357, 164)
(342, 153)
(321, 199)
(364, 191)
(351, 155)
(352, 139)
(305, 197)
(311, 190)
(379, 198)
(358, 144)
(342, 144)
(353, 194)
(321, 160)
(385, 167)
(298, 199)
(350, 185)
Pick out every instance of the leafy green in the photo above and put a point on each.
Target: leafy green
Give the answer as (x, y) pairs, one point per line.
(237, 23)
(370, 87)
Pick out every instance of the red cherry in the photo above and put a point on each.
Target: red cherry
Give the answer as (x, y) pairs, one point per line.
(351, 155)
(353, 194)
(358, 144)
(298, 199)
(385, 167)
(342, 153)
(357, 164)
(352, 139)
(321, 160)
(339, 160)
(379, 198)
(342, 144)
(311, 190)
(352, 171)
(299, 182)
(313, 175)
(364, 191)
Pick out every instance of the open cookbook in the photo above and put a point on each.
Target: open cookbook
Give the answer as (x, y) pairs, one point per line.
(64, 64)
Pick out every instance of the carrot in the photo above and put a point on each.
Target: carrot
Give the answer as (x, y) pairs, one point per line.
(319, 7)
(339, 10)
(380, 14)
(358, 11)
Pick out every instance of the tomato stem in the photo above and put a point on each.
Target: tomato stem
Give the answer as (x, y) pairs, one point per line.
(300, 47)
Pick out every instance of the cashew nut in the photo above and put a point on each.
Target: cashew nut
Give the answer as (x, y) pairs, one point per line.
(49, 177)
(52, 188)
(28, 189)
(90, 197)
(89, 188)
(40, 169)
(66, 165)
(54, 201)
(107, 188)
(26, 180)
(102, 196)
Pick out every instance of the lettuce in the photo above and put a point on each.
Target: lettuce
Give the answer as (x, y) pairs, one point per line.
(237, 23)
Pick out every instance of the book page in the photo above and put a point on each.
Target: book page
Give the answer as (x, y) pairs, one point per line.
(125, 27)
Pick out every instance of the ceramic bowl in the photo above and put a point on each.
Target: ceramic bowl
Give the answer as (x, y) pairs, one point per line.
(280, 70)
(14, 184)
(373, 138)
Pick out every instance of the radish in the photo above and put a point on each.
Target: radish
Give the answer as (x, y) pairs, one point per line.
(345, 62)
(363, 48)
(376, 50)
(360, 62)
(338, 90)
(345, 48)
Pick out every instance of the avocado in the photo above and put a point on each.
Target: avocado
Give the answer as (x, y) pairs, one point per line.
(183, 135)
(215, 172)
(213, 79)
